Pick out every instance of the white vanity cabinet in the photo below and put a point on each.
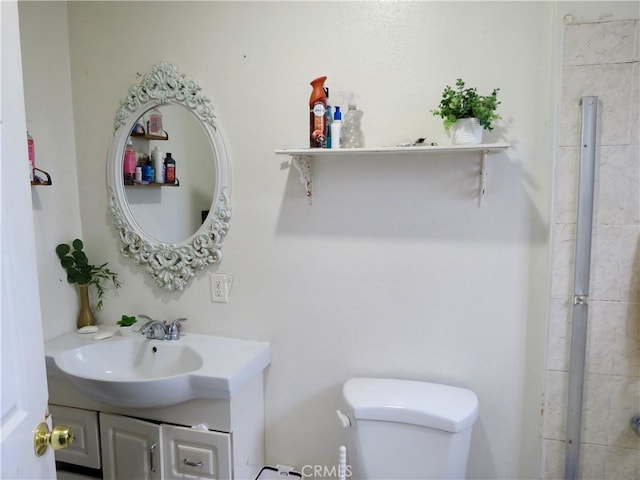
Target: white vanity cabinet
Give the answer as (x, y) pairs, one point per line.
(130, 448)
(192, 408)
(198, 439)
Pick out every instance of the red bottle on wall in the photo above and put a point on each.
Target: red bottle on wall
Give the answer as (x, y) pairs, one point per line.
(318, 114)
(31, 148)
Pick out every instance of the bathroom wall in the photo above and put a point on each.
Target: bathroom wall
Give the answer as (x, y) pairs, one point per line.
(56, 210)
(600, 58)
(393, 271)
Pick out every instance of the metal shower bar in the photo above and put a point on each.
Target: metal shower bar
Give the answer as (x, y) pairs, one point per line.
(584, 227)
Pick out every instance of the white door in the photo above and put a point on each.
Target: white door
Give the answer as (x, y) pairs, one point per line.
(24, 383)
(131, 448)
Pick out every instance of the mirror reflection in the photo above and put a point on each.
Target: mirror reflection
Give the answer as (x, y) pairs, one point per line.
(169, 200)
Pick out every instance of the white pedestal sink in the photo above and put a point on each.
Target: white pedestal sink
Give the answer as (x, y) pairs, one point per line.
(136, 372)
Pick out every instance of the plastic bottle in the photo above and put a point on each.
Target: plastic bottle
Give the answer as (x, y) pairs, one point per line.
(155, 123)
(170, 168)
(328, 128)
(336, 129)
(156, 156)
(352, 136)
(129, 163)
(31, 147)
(317, 114)
(147, 172)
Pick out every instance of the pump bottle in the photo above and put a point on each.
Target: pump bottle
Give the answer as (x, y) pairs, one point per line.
(336, 129)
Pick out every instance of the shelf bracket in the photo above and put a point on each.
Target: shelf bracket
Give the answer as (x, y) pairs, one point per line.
(303, 165)
(40, 181)
(482, 176)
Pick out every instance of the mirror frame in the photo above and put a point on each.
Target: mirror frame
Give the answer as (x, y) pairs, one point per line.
(170, 264)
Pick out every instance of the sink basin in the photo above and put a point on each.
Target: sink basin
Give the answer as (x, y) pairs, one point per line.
(129, 360)
(136, 372)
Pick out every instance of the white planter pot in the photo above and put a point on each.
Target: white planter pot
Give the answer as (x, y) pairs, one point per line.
(130, 330)
(466, 131)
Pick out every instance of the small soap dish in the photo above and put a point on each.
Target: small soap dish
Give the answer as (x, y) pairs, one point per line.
(87, 329)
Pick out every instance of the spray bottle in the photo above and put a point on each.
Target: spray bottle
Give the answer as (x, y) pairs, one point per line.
(352, 136)
(317, 114)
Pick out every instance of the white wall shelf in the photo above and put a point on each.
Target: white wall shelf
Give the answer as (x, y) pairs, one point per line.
(302, 158)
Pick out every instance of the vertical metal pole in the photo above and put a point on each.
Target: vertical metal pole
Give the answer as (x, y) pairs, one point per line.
(584, 225)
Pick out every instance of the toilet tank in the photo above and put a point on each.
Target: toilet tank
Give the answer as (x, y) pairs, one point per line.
(404, 429)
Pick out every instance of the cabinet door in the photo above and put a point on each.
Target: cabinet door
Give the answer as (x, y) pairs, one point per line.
(131, 449)
(197, 454)
(85, 449)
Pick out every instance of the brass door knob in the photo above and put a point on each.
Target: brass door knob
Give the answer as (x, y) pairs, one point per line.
(60, 437)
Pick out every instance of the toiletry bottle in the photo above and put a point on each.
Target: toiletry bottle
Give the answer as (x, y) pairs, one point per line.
(156, 156)
(129, 163)
(329, 122)
(336, 129)
(155, 122)
(147, 172)
(317, 114)
(170, 168)
(352, 136)
(31, 147)
(138, 174)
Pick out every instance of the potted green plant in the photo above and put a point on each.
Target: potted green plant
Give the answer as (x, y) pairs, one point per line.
(466, 113)
(127, 323)
(81, 272)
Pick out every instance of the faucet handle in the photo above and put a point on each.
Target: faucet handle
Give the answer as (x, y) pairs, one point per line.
(173, 329)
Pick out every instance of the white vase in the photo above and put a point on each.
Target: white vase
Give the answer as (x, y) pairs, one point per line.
(466, 131)
(128, 330)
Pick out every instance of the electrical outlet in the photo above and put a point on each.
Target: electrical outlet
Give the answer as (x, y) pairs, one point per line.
(219, 287)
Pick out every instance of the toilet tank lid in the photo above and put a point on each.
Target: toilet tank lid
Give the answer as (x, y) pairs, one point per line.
(432, 405)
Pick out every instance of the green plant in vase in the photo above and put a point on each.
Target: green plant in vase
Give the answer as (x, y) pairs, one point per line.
(463, 102)
(81, 272)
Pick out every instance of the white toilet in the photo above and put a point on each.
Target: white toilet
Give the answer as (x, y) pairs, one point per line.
(403, 429)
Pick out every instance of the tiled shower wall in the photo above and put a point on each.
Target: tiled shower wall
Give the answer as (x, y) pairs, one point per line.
(599, 59)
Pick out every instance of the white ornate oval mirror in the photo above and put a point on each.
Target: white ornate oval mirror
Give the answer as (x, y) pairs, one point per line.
(175, 227)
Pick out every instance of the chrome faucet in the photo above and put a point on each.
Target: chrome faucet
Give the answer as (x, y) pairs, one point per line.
(157, 330)
(154, 329)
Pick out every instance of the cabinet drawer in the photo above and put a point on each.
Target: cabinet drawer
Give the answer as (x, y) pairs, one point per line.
(85, 449)
(196, 453)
